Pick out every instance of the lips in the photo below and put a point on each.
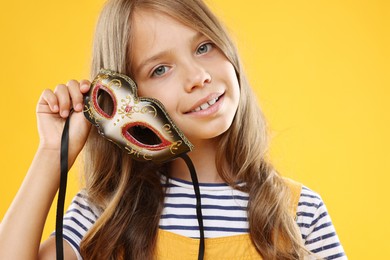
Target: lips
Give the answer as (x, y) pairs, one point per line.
(206, 104)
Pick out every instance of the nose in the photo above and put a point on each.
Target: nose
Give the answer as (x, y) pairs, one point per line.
(196, 76)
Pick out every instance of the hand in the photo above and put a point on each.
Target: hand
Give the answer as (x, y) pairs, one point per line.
(52, 111)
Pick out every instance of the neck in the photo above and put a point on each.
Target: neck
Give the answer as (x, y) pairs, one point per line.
(203, 158)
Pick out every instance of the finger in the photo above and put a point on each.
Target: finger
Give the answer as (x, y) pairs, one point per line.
(75, 95)
(48, 99)
(63, 96)
(85, 85)
(78, 131)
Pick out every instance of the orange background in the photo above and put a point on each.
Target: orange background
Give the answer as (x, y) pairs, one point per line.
(320, 70)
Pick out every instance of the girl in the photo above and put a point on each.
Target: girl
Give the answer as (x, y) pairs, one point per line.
(178, 53)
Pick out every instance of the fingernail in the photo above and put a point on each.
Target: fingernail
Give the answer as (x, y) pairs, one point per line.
(55, 108)
(84, 85)
(65, 113)
(79, 107)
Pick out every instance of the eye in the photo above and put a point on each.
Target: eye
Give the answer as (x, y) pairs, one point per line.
(204, 48)
(160, 70)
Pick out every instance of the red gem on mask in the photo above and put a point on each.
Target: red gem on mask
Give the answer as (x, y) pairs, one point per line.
(128, 108)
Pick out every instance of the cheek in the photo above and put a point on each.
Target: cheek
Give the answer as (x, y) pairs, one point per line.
(228, 74)
(168, 101)
(165, 96)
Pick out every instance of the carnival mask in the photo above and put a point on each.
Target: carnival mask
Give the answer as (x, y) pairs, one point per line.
(139, 125)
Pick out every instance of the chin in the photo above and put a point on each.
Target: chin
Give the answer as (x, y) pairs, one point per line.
(208, 133)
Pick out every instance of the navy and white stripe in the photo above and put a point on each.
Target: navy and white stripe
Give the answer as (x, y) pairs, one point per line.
(78, 219)
(223, 209)
(316, 227)
(224, 213)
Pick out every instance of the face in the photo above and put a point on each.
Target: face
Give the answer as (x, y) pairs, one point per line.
(186, 72)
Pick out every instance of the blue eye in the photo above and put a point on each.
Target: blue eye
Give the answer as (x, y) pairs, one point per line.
(204, 48)
(159, 71)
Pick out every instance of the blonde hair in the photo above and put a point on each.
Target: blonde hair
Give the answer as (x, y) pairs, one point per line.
(130, 193)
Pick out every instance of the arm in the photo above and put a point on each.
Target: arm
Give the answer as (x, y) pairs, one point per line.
(22, 226)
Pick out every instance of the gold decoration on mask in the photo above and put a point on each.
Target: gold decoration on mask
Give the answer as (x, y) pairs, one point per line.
(114, 83)
(175, 146)
(167, 129)
(126, 110)
(149, 109)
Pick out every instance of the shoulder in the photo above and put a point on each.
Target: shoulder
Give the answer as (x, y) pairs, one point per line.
(78, 219)
(295, 189)
(82, 209)
(316, 227)
(305, 202)
(318, 233)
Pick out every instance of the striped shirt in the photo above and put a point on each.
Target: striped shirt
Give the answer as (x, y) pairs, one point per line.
(224, 214)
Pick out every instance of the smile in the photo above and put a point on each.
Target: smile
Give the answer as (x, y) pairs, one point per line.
(206, 105)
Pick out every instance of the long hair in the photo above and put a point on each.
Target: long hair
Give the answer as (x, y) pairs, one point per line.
(130, 193)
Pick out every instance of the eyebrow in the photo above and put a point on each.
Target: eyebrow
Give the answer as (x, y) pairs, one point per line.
(157, 56)
(153, 59)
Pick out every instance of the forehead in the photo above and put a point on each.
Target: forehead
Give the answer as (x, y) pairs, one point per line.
(156, 26)
(154, 32)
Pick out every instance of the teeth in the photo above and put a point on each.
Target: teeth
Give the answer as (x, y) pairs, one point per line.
(212, 102)
(206, 105)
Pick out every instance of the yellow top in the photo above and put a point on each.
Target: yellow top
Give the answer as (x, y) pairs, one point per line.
(239, 247)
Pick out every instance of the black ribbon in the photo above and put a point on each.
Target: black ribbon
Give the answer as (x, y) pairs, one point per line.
(62, 190)
(199, 215)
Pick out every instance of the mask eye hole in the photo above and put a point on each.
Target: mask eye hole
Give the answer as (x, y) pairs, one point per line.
(144, 135)
(104, 101)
